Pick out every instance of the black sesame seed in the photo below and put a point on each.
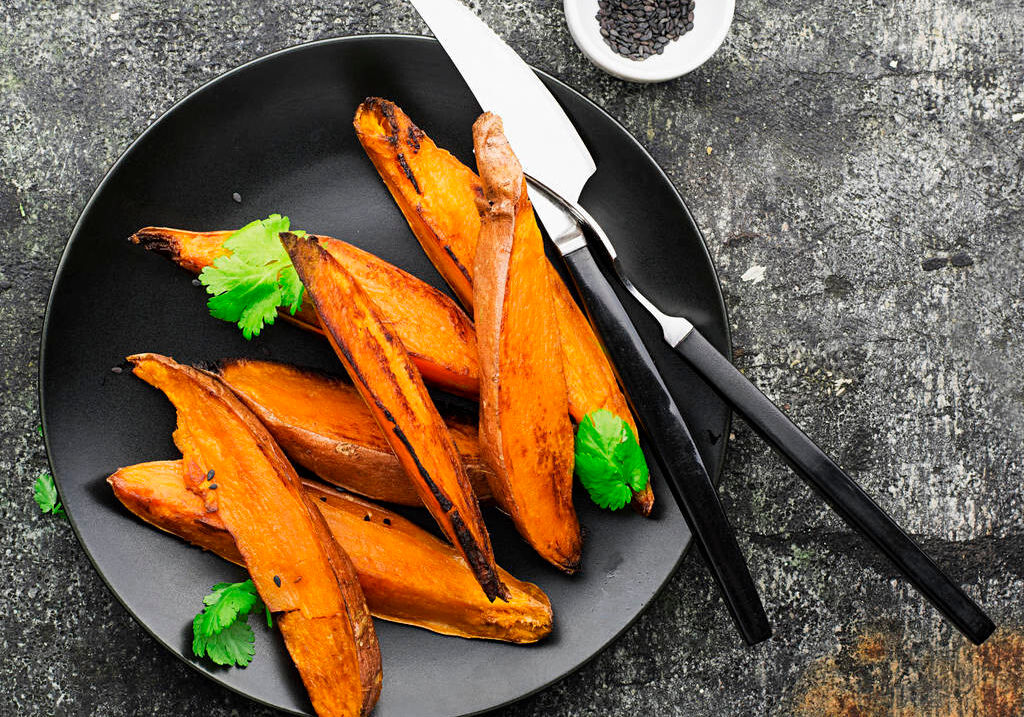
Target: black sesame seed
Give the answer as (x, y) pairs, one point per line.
(277, 580)
(213, 486)
(387, 521)
(323, 499)
(209, 476)
(638, 29)
(366, 517)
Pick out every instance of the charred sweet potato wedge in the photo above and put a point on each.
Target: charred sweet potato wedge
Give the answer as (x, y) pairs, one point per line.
(393, 389)
(437, 194)
(436, 332)
(324, 425)
(525, 432)
(407, 574)
(234, 466)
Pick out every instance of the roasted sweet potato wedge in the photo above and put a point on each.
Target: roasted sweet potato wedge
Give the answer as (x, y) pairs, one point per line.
(156, 492)
(407, 574)
(234, 466)
(437, 194)
(393, 389)
(435, 331)
(525, 432)
(323, 424)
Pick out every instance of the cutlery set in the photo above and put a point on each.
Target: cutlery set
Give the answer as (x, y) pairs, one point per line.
(558, 165)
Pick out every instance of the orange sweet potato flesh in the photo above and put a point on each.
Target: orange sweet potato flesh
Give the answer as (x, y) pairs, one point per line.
(324, 425)
(436, 332)
(407, 574)
(156, 492)
(296, 565)
(437, 194)
(396, 396)
(525, 432)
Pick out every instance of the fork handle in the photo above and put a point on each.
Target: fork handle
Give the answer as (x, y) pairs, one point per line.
(673, 446)
(841, 492)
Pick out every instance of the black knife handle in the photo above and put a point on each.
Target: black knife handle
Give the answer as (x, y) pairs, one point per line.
(673, 446)
(839, 490)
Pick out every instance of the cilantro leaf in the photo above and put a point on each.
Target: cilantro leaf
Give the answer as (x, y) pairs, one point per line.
(609, 461)
(45, 495)
(235, 645)
(224, 605)
(221, 631)
(249, 284)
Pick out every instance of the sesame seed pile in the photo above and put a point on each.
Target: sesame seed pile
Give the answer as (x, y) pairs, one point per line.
(638, 29)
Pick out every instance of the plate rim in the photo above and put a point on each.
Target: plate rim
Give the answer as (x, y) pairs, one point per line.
(101, 186)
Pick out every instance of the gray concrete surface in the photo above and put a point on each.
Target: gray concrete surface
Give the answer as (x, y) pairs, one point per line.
(857, 168)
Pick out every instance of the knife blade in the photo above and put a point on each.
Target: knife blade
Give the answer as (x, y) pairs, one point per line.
(539, 131)
(541, 134)
(550, 149)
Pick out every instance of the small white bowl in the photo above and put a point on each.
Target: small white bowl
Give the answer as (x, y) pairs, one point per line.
(711, 21)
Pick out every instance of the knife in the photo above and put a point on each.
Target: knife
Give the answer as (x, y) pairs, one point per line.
(550, 149)
(811, 463)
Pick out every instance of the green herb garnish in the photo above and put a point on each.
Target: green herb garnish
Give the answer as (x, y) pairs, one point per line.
(609, 461)
(45, 495)
(250, 283)
(221, 631)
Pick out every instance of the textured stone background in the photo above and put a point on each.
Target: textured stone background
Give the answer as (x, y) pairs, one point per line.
(857, 169)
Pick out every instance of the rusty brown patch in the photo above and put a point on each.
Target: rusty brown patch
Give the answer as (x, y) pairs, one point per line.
(835, 694)
(872, 647)
(877, 673)
(998, 667)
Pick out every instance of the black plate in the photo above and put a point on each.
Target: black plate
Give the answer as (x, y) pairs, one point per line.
(278, 132)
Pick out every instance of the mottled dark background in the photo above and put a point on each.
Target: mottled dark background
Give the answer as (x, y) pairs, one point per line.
(856, 167)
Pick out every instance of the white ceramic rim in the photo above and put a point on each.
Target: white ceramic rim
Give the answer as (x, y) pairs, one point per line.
(712, 19)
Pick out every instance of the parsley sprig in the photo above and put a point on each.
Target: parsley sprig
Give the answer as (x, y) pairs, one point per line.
(44, 492)
(221, 631)
(609, 461)
(249, 284)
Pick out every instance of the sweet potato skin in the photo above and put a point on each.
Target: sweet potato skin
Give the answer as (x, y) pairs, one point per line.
(437, 194)
(234, 466)
(525, 432)
(324, 425)
(407, 574)
(392, 388)
(437, 334)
